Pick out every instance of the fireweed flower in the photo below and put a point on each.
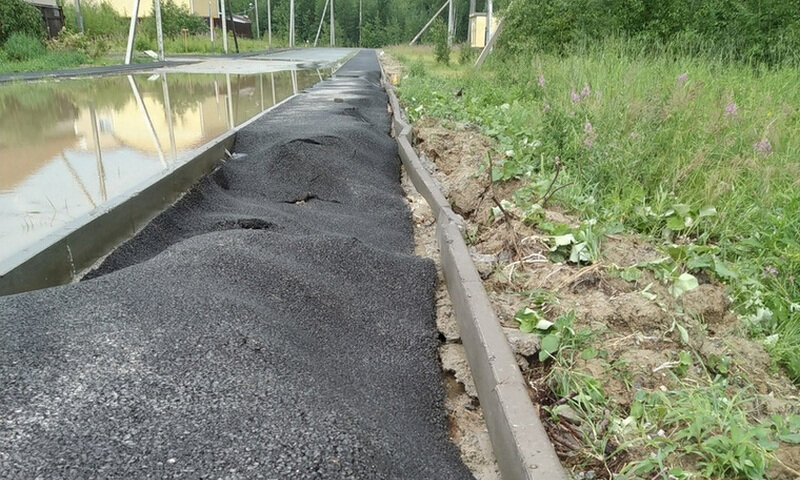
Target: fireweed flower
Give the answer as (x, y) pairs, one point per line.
(730, 109)
(588, 140)
(682, 78)
(763, 147)
(770, 270)
(575, 97)
(542, 81)
(586, 91)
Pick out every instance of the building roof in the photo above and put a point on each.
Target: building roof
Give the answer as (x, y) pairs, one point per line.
(43, 3)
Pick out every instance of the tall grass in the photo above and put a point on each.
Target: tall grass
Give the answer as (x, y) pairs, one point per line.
(640, 134)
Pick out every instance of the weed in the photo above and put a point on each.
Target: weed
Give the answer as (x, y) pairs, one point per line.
(21, 47)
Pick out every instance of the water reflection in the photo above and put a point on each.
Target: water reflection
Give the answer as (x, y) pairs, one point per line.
(67, 148)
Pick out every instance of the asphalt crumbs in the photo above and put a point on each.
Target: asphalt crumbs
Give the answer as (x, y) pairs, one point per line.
(273, 323)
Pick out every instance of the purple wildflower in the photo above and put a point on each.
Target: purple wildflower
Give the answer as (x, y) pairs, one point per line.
(546, 107)
(634, 135)
(575, 97)
(763, 147)
(591, 135)
(682, 78)
(586, 91)
(730, 109)
(771, 270)
(542, 81)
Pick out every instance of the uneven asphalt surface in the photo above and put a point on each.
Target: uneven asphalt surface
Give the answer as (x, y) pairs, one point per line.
(272, 324)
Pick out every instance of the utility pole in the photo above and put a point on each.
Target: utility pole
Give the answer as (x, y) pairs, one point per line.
(269, 24)
(291, 23)
(488, 22)
(211, 25)
(159, 30)
(132, 32)
(470, 30)
(451, 23)
(333, 27)
(321, 21)
(258, 30)
(224, 28)
(78, 16)
(233, 24)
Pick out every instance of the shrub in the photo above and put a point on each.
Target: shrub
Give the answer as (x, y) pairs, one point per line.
(99, 19)
(144, 42)
(69, 41)
(441, 50)
(175, 18)
(18, 16)
(20, 47)
(416, 68)
(466, 54)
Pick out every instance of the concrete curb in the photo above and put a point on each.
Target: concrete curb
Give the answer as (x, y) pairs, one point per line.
(519, 440)
(85, 71)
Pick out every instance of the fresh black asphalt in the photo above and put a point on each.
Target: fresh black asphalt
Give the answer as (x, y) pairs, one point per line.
(274, 323)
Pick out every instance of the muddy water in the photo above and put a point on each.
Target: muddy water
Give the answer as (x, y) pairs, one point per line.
(67, 148)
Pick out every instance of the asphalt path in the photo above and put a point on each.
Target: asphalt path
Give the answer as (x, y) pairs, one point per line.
(274, 323)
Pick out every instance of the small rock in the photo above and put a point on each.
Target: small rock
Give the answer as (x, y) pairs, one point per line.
(522, 362)
(525, 344)
(484, 263)
(567, 413)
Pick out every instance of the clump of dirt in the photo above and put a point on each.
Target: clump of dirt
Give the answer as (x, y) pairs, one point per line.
(639, 331)
(391, 67)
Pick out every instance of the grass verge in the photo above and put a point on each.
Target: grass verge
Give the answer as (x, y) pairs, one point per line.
(639, 374)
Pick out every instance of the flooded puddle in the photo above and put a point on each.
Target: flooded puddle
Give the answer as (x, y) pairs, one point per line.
(68, 147)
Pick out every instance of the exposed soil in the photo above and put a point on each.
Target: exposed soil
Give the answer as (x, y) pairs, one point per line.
(466, 424)
(636, 331)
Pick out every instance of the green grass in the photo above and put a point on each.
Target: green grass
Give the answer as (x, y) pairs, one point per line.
(652, 151)
(48, 61)
(193, 44)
